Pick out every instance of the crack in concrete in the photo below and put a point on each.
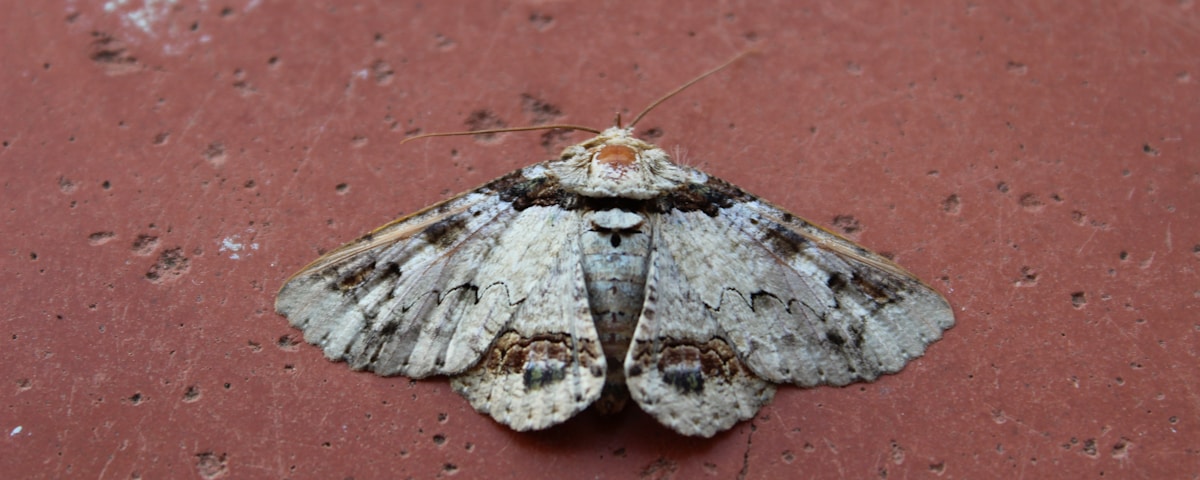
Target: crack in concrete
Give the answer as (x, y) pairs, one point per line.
(746, 454)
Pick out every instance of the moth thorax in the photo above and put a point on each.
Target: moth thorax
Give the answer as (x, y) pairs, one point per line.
(616, 157)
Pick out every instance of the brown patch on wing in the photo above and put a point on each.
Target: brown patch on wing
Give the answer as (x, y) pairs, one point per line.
(524, 193)
(708, 197)
(541, 360)
(882, 294)
(353, 278)
(446, 231)
(688, 365)
(782, 241)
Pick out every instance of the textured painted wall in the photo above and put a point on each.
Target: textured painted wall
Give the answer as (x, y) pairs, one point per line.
(167, 164)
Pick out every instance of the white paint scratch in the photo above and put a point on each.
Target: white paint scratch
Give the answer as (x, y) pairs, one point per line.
(233, 245)
(144, 16)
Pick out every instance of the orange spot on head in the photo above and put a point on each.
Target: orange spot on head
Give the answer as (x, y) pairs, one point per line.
(616, 156)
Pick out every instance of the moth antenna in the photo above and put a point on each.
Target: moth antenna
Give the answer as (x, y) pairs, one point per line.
(500, 130)
(617, 121)
(686, 85)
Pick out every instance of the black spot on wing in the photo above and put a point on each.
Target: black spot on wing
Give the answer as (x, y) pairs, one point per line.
(388, 330)
(538, 376)
(836, 282)
(685, 380)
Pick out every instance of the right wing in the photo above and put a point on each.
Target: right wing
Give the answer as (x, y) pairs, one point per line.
(799, 304)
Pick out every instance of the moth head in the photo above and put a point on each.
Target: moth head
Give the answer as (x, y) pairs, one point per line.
(617, 164)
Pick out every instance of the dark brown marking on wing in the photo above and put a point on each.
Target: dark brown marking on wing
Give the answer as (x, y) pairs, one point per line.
(446, 231)
(727, 189)
(687, 365)
(836, 282)
(506, 182)
(882, 292)
(783, 241)
(541, 360)
(523, 192)
(361, 273)
(353, 278)
(850, 348)
(708, 197)
(694, 196)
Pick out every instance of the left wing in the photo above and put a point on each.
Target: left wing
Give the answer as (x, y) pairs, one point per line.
(393, 301)
(548, 366)
(491, 271)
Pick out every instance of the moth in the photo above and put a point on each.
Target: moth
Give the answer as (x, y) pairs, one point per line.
(613, 273)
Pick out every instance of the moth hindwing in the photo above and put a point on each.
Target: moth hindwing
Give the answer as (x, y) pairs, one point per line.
(608, 274)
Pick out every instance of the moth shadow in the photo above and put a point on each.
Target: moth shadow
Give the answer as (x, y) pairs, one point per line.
(628, 432)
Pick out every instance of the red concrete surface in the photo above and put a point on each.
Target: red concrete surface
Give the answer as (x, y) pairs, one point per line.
(166, 165)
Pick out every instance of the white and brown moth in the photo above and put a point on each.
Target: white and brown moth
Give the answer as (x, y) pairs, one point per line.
(611, 273)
